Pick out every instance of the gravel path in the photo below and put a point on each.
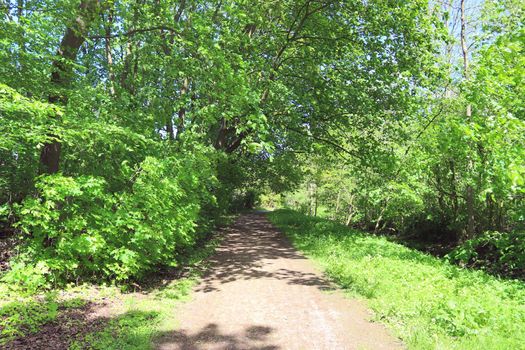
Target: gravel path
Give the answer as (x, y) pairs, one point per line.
(260, 293)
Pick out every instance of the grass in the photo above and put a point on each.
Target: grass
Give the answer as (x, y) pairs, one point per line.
(135, 320)
(25, 315)
(427, 302)
(23, 312)
(145, 315)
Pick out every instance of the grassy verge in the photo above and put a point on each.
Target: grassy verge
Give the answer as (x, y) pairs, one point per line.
(23, 313)
(131, 321)
(143, 316)
(427, 302)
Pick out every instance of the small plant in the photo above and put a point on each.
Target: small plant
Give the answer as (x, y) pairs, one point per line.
(21, 317)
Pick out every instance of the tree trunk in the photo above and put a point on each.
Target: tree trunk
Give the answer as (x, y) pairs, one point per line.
(441, 200)
(61, 77)
(469, 198)
(350, 215)
(338, 199)
(315, 202)
(109, 56)
(453, 190)
(182, 110)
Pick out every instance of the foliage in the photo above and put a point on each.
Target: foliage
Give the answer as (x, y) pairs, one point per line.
(76, 228)
(28, 278)
(500, 253)
(24, 124)
(129, 128)
(439, 174)
(102, 176)
(428, 302)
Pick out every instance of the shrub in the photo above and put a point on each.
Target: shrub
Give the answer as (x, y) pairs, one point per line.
(497, 252)
(76, 228)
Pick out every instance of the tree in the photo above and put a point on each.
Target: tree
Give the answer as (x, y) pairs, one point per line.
(62, 75)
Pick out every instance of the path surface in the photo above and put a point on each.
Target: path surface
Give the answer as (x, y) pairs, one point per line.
(260, 293)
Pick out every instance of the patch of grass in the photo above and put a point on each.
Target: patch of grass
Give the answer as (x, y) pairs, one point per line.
(144, 315)
(131, 330)
(24, 311)
(24, 316)
(427, 302)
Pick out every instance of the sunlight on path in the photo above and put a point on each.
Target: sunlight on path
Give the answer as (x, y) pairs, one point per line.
(260, 293)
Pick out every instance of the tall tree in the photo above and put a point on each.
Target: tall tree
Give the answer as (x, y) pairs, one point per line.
(62, 75)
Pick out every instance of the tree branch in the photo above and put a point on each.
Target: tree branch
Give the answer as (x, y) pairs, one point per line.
(328, 142)
(136, 31)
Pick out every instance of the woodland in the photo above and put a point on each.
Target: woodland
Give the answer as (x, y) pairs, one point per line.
(130, 130)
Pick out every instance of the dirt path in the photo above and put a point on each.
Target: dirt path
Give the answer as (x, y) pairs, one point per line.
(260, 293)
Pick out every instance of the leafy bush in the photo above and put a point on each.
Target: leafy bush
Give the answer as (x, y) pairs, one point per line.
(29, 277)
(76, 228)
(497, 252)
(24, 125)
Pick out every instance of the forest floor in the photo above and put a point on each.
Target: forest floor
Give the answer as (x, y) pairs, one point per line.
(260, 293)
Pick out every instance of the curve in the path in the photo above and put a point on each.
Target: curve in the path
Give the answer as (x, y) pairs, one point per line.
(260, 293)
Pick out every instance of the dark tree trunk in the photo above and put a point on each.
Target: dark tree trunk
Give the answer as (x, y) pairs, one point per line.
(182, 110)
(109, 55)
(61, 77)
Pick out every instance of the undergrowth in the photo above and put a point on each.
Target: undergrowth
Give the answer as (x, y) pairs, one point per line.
(143, 316)
(428, 302)
(136, 317)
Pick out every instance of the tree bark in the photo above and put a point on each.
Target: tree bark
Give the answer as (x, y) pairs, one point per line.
(350, 214)
(61, 77)
(469, 198)
(182, 110)
(109, 56)
(338, 198)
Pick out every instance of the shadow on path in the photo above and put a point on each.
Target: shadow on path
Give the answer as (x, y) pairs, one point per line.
(211, 336)
(250, 244)
(260, 293)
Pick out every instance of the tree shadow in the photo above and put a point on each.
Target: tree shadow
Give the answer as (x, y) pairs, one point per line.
(48, 324)
(253, 337)
(132, 330)
(250, 244)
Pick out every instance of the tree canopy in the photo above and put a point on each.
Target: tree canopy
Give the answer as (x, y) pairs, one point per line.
(130, 126)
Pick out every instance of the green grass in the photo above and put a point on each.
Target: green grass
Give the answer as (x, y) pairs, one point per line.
(25, 315)
(135, 320)
(146, 315)
(23, 312)
(425, 301)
